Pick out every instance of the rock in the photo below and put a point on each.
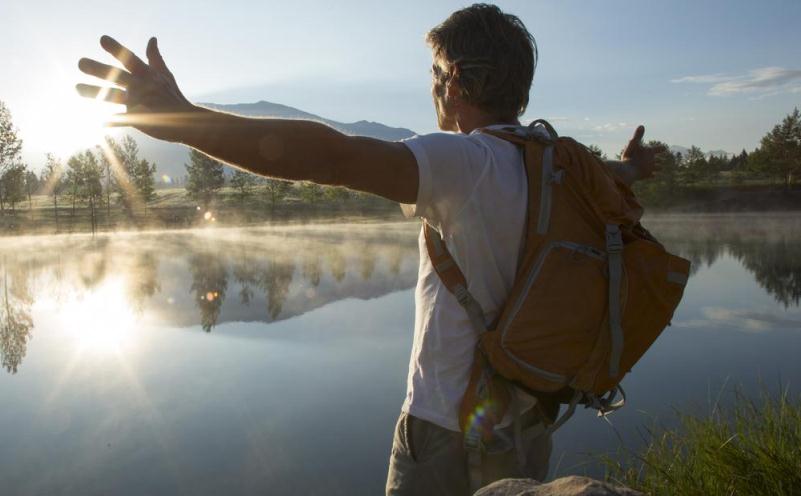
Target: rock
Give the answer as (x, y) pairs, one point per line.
(566, 486)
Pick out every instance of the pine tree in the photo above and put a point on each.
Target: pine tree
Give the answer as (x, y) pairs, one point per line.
(243, 182)
(53, 180)
(204, 177)
(31, 186)
(596, 150)
(144, 180)
(10, 143)
(12, 184)
(781, 148)
(311, 192)
(84, 175)
(694, 166)
(277, 190)
(10, 148)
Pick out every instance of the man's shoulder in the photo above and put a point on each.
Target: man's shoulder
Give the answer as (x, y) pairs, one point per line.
(475, 143)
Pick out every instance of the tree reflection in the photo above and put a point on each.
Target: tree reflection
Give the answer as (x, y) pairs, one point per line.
(336, 263)
(312, 270)
(395, 259)
(777, 270)
(773, 256)
(16, 322)
(367, 259)
(244, 269)
(275, 281)
(143, 279)
(209, 283)
(94, 263)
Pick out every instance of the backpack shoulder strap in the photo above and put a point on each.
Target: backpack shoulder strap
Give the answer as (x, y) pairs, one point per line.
(452, 277)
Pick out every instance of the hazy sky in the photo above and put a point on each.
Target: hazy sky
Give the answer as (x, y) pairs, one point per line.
(718, 74)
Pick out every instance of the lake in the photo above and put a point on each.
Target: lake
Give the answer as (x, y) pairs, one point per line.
(274, 359)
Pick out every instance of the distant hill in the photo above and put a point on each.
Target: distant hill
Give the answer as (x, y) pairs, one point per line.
(170, 158)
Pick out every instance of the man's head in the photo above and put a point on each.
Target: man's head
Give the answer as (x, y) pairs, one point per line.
(483, 59)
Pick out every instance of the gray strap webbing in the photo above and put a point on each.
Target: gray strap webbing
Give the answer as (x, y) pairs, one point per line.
(474, 469)
(520, 450)
(614, 250)
(571, 409)
(473, 308)
(677, 278)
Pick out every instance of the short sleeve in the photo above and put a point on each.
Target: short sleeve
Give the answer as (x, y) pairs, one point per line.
(449, 167)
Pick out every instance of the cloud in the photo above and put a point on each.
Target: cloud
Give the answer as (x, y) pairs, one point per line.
(761, 82)
(745, 320)
(710, 78)
(611, 127)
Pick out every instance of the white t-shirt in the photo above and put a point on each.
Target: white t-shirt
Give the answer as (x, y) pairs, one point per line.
(473, 190)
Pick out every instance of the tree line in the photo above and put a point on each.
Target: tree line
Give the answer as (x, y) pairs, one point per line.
(777, 160)
(114, 173)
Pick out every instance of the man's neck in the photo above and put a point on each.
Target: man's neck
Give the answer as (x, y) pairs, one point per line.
(469, 123)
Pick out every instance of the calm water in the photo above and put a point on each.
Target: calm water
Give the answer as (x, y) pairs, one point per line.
(274, 360)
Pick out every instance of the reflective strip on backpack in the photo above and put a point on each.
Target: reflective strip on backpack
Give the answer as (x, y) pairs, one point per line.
(546, 181)
(614, 253)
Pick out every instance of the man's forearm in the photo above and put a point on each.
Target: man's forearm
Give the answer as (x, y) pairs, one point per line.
(297, 150)
(283, 148)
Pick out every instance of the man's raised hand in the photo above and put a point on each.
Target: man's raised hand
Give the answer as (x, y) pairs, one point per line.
(642, 158)
(154, 103)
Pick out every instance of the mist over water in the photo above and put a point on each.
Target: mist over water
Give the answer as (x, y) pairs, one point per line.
(274, 359)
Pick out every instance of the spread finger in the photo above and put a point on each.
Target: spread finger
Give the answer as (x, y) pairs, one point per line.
(104, 71)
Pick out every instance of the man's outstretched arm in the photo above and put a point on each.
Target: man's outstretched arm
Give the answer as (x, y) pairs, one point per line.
(287, 149)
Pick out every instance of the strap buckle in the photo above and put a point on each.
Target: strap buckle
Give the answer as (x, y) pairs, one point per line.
(472, 439)
(462, 295)
(614, 239)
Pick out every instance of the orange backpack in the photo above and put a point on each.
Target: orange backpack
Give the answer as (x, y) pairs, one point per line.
(592, 292)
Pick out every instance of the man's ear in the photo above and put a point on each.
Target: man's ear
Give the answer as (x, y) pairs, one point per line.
(453, 88)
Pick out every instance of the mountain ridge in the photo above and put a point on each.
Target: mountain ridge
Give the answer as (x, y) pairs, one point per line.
(170, 157)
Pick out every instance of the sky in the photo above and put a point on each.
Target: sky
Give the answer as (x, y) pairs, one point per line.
(717, 74)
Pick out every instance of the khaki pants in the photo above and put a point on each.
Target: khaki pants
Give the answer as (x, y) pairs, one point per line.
(429, 460)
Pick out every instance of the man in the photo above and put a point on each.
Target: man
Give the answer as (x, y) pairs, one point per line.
(469, 186)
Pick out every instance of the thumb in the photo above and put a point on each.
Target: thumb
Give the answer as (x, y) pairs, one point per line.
(154, 57)
(638, 134)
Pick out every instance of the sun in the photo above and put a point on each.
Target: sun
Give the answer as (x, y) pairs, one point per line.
(101, 320)
(69, 123)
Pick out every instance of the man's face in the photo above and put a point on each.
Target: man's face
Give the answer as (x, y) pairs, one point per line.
(446, 120)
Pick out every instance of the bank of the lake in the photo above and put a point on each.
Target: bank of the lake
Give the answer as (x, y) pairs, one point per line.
(750, 447)
(173, 208)
(723, 198)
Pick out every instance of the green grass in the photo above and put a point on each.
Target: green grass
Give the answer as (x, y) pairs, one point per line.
(172, 208)
(750, 448)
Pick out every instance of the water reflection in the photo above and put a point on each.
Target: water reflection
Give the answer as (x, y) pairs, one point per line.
(209, 283)
(15, 317)
(291, 347)
(768, 246)
(184, 279)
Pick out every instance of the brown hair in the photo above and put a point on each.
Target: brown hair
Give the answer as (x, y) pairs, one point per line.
(495, 54)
